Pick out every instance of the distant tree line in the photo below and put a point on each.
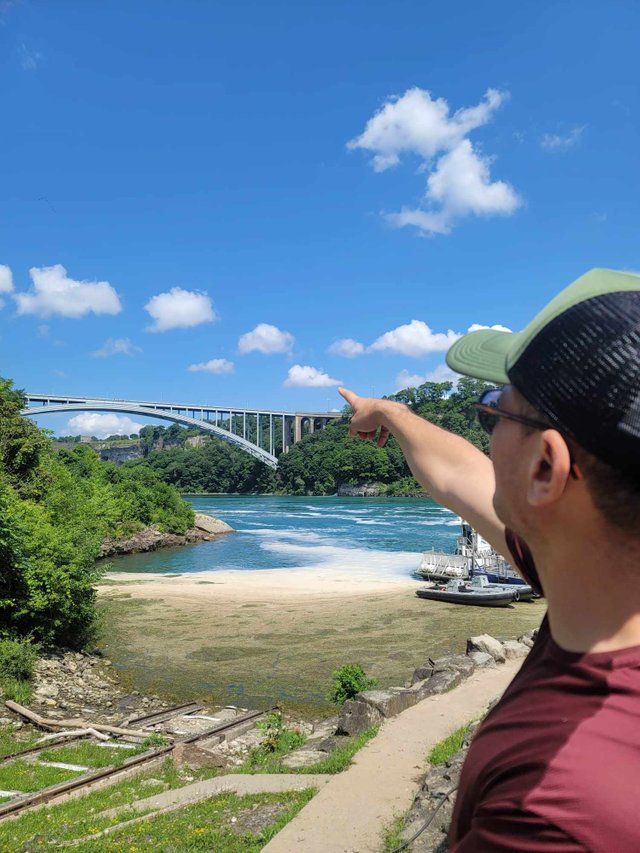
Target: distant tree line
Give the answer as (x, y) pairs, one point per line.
(320, 462)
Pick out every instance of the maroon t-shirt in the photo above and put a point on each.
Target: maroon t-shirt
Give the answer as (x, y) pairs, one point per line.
(555, 766)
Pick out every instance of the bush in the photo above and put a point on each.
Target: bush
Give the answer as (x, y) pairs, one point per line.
(17, 658)
(348, 681)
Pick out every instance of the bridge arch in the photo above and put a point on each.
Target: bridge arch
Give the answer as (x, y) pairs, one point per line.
(147, 412)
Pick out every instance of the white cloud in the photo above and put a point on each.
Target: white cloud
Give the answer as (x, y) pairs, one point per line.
(459, 182)
(346, 347)
(214, 365)
(179, 309)
(404, 379)
(460, 185)
(476, 327)
(54, 293)
(415, 123)
(300, 376)
(415, 339)
(442, 373)
(266, 339)
(116, 346)
(558, 142)
(91, 423)
(6, 281)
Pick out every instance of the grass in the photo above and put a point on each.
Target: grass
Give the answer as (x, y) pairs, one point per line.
(20, 775)
(340, 758)
(16, 689)
(335, 761)
(392, 836)
(10, 743)
(76, 818)
(90, 754)
(206, 826)
(448, 747)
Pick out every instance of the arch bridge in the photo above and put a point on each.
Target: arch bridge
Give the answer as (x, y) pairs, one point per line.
(262, 433)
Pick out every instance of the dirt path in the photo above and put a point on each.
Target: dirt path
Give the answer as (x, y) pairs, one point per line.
(350, 813)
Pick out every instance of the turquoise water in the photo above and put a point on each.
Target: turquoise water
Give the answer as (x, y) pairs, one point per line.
(384, 535)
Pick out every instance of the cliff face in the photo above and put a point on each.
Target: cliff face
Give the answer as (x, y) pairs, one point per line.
(362, 490)
(120, 454)
(206, 529)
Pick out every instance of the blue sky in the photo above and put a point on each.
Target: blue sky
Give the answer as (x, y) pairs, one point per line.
(241, 186)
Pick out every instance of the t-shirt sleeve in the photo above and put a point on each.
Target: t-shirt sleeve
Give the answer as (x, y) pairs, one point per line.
(507, 831)
(523, 560)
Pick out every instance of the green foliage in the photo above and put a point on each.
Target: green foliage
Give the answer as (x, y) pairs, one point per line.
(448, 747)
(277, 738)
(321, 462)
(348, 681)
(17, 658)
(55, 509)
(16, 689)
(153, 740)
(214, 467)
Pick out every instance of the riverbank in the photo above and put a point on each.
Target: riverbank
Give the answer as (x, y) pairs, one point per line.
(260, 637)
(207, 528)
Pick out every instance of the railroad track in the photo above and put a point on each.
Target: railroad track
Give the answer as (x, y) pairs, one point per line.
(21, 803)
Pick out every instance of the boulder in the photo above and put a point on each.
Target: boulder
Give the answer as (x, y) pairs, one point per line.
(486, 643)
(442, 682)
(357, 716)
(526, 640)
(389, 702)
(482, 660)
(456, 663)
(513, 650)
(211, 525)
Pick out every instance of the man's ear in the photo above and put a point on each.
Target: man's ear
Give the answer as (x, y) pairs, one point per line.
(549, 470)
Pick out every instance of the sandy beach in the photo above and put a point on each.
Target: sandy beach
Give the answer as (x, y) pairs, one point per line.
(260, 637)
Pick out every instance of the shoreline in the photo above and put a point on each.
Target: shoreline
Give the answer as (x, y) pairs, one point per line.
(259, 637)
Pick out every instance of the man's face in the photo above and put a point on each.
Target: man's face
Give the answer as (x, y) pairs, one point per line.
(509, 454)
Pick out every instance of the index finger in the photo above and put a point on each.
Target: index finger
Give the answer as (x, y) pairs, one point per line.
(349, 396)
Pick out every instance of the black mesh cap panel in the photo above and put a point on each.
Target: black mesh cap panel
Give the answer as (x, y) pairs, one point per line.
(583, 372)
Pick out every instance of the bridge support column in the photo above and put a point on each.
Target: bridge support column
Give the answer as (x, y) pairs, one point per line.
(297, 428)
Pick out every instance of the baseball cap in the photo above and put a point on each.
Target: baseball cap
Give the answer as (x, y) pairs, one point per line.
(577, 362)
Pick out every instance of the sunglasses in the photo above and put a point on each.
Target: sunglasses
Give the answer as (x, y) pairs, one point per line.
(489, 413)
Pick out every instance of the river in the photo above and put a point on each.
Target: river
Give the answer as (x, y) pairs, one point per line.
(225, 621)
(385, 535)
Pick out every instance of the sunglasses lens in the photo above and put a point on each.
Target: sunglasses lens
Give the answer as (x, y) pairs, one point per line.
(486, 420)
(491, 397)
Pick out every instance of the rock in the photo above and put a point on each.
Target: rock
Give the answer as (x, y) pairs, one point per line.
(442, 682)
(486, 643)
(356, 716)
(526, 640)
(211, 524)
(361, 490)
(47, 691)
(482, 660)
(389, 702)
(514, 650)
(457, 663)
(192, 756)
(303, 758)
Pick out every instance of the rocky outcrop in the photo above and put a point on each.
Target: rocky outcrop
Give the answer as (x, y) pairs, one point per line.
(206, 529)
(120, 455)
(209, 524)
(361, 490)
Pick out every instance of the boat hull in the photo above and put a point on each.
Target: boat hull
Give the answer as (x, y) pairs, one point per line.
(473, 598)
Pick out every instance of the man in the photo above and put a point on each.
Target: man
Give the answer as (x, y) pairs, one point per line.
(556, 764)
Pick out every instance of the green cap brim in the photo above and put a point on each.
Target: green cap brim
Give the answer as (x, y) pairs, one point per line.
(483, 354)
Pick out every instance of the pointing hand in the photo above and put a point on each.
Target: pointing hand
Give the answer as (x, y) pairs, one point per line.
(366, 419)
